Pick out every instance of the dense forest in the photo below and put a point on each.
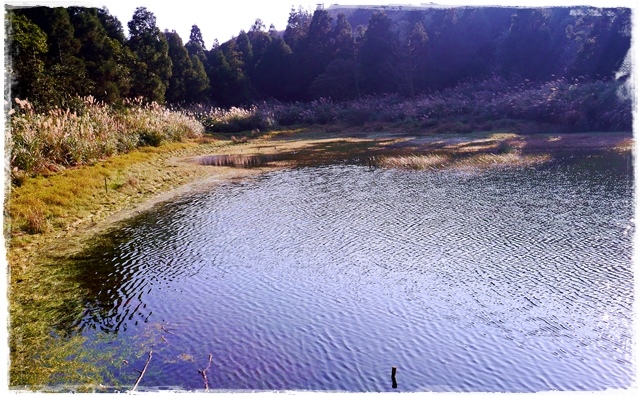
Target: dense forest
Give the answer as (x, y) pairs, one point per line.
(58, 54)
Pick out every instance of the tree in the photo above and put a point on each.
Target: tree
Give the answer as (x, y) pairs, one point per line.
(273, 32)
(66, 74)
(340, 76)
(338, 81)
(189, 82)
(197, 82)
(259, 42)
(27, 53)
(229, 84)
(410, 52)
(343, 43)
(180, 68)
(533, 61)
(152, 66)
(243, 45)
(461, 46)
(104, 57)
(112, 25)
(195, 45)
(272, 70)
(603, 39)
(311, 54)
(195, 37)
(297, 26)
(376, 56)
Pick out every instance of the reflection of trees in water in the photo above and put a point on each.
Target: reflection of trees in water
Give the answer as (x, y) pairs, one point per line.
(119, 269)
(233, 160)
(109, 287)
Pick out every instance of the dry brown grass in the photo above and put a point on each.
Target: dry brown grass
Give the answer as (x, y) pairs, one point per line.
(511, 159)
(58, 138)
(414, 161)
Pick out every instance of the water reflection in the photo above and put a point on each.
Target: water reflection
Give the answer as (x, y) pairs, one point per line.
(238, 160)
(321, 278)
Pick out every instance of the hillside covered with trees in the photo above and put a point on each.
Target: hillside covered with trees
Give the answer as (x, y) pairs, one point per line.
(60, 53)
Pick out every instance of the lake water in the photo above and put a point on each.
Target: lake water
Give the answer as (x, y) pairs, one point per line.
(324, 277)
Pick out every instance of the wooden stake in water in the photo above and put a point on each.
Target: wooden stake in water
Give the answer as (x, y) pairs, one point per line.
(393, 378)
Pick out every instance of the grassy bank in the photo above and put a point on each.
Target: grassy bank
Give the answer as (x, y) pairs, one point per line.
(52, 217)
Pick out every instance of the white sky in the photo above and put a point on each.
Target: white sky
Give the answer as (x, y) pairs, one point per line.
(224, 19)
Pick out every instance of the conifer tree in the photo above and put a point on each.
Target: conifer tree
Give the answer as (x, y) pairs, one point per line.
(180, 69)
(152, 64)
(104, 57)
(376, 56)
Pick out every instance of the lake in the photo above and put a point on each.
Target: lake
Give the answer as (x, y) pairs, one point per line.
(325, 277)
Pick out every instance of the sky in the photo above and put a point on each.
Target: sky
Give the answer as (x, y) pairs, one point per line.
(223, 20)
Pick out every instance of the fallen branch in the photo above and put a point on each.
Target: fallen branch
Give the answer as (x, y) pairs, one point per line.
(204, 373)
(143, 371)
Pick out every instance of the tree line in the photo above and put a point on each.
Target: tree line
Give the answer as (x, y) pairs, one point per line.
(58, 54)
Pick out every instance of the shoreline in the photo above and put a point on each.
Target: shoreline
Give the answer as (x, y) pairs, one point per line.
(135, 182)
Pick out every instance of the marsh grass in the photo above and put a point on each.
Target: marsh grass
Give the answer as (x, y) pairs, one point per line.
(512, 157)
(414, 161)
(42, 142)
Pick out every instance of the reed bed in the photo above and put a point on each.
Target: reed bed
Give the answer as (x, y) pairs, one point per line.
(511, 159)
(475, 161)
(414, 161)
(58, 138)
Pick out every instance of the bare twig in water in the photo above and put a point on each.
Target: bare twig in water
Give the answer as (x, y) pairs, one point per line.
(166, 330)
(203, 265)
(204, 373)
(143, 371)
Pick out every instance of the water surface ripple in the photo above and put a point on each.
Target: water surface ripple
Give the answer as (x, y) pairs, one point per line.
(323, 278)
